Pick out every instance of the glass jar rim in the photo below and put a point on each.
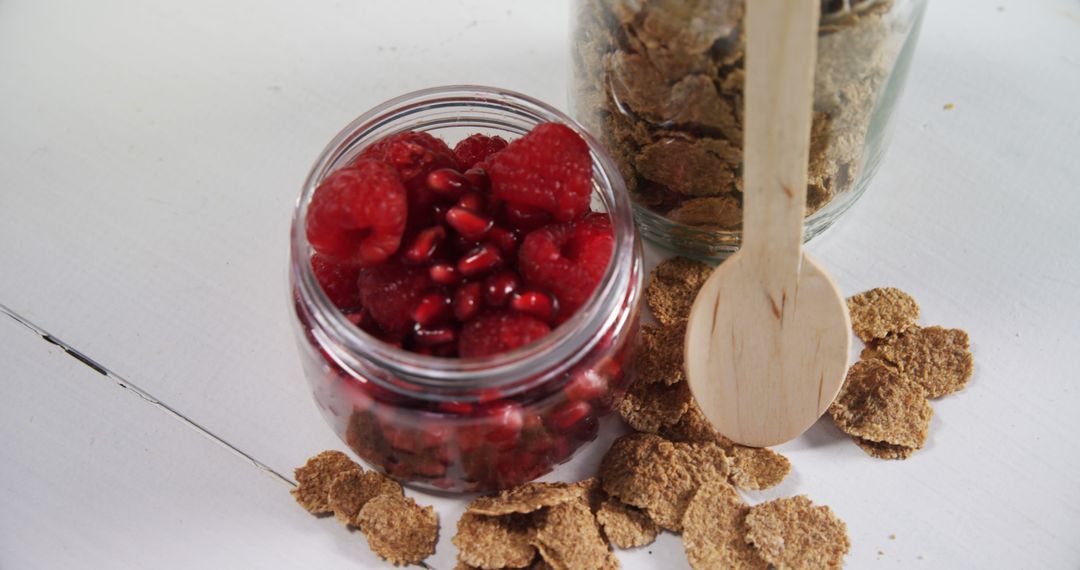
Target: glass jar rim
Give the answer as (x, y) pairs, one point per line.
(564, 345)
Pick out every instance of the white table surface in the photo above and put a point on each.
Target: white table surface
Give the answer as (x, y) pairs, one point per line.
(150, 153)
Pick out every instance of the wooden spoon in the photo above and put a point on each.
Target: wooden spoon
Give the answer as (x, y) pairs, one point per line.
(768, 337)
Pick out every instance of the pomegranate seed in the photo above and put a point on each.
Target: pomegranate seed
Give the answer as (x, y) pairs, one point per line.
(435, 434)
(433, 309)
(434, 336)
(429, 468)
(500, 286)
(467, 301)
(423, 247)
(478, 177)
(570, 413)
(506, 240)
(448, 182)
(444, 274)
(472, 201)
(479, 260)
(535, 303)
(469, 223)
(585, 385)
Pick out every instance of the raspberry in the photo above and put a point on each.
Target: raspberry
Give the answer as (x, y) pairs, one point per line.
(499, 332)
(568, 259)
(476, 149)
(391, 291)
(549, 168)
(413, 154)
(337, 281)
(357, 215)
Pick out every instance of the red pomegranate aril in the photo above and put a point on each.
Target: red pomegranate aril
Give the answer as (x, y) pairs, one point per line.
(434, 336)
(429, 467)
(570, 413)
(535, 303)
(479, 179)
(433, 309)
(447, 182)
(489, 396)
(425, 244)
(504, 239)
(469, 223)
(587, 384)
(472, 200)
(480, 260)
(500, 286)
(444, 274)
(467, 301)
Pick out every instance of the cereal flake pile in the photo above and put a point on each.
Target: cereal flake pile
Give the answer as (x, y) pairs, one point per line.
(397, 529)
(884, 403)
(675, 472)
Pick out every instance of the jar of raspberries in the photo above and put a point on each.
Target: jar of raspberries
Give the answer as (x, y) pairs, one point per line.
(466, 279)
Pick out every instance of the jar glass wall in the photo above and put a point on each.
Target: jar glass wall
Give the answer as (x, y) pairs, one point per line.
(469, 424)
(661, 84)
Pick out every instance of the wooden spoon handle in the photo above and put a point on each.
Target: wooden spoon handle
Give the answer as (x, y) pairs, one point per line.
(780, 57)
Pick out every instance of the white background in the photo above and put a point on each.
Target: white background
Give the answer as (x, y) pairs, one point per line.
(150, 153)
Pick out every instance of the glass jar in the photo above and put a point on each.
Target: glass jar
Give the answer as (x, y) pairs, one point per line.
(660, 82)
(475, 424)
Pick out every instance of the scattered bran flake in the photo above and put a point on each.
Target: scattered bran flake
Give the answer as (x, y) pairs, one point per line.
(714, 530)
(593, 492)
(659, 477)
(935, 357)
(792, 533)
(626, 526)
(752, 468)
(883, 450)
(568, 538)
(351, 490)
(877, 405)
(527, 498)
(398, 529)
(648, 407)
(880, 312)
(673, 285)
(659, 359)
(495, 542)
(693, 426)
(314, 478)
(757, 468)
(705, 461)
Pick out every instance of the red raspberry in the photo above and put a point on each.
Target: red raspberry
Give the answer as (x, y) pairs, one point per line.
(499, 332)
(414, 154)
(357, 215)
(391, 291)
(549, 168)
(477, 148)
(568, 259)
(337, 281)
